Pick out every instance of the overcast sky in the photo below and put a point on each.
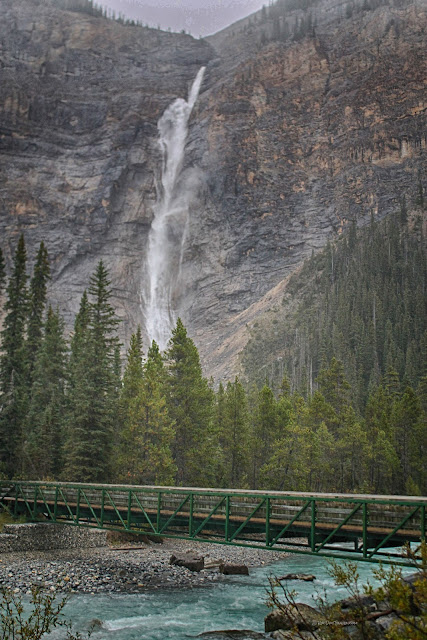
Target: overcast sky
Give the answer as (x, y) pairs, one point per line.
(199, 17)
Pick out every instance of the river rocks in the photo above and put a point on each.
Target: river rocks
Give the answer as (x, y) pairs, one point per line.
(122, 571)
(48, 535)
(305, 577)
(189, 561)
(301, 616)
(234, 569)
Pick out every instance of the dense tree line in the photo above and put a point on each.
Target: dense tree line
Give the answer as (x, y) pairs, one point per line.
(293, 20)
(362, 300)
(69, 412)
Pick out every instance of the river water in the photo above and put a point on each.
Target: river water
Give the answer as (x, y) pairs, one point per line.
(236, 603)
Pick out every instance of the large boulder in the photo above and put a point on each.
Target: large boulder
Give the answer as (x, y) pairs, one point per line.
(189, 561)
(300, 616)
(234, 569)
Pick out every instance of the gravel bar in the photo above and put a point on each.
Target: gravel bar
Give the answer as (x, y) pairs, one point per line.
(105, 570)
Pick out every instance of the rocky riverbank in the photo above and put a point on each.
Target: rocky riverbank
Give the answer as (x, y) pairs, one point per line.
(126, 570)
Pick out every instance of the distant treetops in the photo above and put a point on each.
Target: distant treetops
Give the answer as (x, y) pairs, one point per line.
(71, 410)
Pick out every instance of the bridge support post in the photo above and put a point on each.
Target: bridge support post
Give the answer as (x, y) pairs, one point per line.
(34, 514)
(159, 507)
(227, 519)
(365, 529)
(102, 507)
(190, 519)
(129, 516)
(423, 524)
(15, 506)
(313, 526)
(267, 522)
(78, 505)
(55, 505)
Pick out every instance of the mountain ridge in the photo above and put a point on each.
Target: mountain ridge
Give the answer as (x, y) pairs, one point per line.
(289, 140)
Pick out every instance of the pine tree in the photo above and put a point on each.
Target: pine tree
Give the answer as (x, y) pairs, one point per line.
(93, 393)
(2, 272)
(150, 430)
(264, 432)
(37, 303)
(404, 418)
(219, 427)
(334, 386)
(190, 403)
(234, 435)
(133, 373)
(48, 402)
(14, 395)
(78, 462)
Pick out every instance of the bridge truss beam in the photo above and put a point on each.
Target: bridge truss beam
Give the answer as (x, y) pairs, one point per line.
(363, 527)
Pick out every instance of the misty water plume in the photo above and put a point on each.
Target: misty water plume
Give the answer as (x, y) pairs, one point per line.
(168, 229)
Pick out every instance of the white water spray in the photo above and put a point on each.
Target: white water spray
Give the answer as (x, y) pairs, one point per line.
(167, 233)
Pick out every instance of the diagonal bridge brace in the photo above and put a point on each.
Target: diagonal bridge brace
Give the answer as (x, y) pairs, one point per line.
(67, 506)
(206, 520)
(46, 504)
(83, 493)
(284, 530)
(107, 493)
(133, 494)
(331, 535)
(20, 493)
(399, 526)
(243, 525)
(177, 510)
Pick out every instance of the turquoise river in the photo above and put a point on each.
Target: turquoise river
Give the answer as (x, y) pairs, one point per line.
(236, 603)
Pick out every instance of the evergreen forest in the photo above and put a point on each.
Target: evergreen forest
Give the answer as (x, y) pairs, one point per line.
(339, 405)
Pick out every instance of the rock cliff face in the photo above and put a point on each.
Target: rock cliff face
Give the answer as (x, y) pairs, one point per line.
(294, 133)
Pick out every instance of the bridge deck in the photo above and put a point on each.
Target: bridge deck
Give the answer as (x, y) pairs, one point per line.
(329, 522)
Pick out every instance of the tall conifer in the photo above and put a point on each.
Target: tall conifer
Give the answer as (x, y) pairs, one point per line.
(37, 303)
(150, 428)
(14, 397)
(93, 386)
(46, 414)
(2, 272)
(191, 409)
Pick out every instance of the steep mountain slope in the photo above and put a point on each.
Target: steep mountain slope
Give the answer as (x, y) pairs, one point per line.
(307, 118)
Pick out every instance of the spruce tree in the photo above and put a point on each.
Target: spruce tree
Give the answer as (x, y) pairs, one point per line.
(46, 413)
(37, 303)
(134, 372)
(2, 273)
(234, 435)
(150, 430)
(190, 402)
(132, 382)
(13, 390)
(93, 386)
(264, 432)
(77, 460)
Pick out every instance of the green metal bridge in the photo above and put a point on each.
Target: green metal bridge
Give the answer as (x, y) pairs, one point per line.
(362, 527)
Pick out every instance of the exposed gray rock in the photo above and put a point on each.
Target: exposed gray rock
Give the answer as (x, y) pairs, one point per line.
(289, 141)
(234, 569)
(301, 616)
(189, 561)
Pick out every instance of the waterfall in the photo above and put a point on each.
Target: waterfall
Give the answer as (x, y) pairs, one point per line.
(167, 233)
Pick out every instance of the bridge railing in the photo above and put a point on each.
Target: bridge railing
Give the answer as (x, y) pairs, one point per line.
(370, 523)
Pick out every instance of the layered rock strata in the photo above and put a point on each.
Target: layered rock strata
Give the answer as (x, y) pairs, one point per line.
(290, 139)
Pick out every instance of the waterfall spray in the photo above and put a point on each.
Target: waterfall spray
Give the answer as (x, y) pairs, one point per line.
(167, 233)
